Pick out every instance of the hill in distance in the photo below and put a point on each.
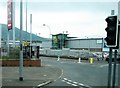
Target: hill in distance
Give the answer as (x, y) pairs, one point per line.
(26, 35)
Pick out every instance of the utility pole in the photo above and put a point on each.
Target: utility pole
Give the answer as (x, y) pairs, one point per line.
(21, 43)
(30, 35)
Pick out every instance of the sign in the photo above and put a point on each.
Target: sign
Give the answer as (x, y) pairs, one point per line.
(55, 39)
(9, 14)
(26, 44)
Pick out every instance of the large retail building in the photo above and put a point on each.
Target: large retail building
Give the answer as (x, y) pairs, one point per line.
(60, 41)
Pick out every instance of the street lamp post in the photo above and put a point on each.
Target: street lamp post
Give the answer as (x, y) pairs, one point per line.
(26, 20)
(49, 30)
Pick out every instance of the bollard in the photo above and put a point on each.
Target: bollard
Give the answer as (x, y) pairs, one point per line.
(79, 60)
(91, 60)
(58, 58)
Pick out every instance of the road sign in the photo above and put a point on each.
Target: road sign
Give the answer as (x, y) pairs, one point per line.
(26, 43)
(9, 6)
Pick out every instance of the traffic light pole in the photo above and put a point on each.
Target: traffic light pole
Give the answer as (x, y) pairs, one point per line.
(112, 42)
(110, 68)
(114, 69)
(110, 62)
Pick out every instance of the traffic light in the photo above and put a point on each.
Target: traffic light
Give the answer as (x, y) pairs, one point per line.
(112, 31)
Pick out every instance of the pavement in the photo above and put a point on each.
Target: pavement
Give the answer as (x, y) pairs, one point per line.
(33, 77)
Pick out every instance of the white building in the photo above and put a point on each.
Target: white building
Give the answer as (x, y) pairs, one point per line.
(91, 44)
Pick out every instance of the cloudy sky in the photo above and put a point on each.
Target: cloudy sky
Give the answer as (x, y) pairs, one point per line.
(77, 18)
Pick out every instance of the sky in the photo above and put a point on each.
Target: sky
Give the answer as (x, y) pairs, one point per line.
(78, 18)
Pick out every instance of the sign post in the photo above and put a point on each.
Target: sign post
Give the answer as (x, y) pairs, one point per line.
(9, 15)
(9, 21)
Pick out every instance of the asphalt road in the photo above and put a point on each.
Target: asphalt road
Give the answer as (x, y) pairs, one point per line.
(81, 74)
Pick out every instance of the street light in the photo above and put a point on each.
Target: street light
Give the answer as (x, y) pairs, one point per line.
(49, 29)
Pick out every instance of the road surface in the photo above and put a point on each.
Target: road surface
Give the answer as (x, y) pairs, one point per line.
(81, 74)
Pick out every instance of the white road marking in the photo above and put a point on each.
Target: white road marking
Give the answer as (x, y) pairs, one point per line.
(81, 84)
(103, 65)
(73, 83)
(68, 83)
(43, 84)
(60, 75)
(70, 80)
(65, 78)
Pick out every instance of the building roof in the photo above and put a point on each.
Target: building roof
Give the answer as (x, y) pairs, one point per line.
(60, 34)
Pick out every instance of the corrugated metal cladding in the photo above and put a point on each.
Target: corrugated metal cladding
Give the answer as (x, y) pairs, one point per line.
(93, 44)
